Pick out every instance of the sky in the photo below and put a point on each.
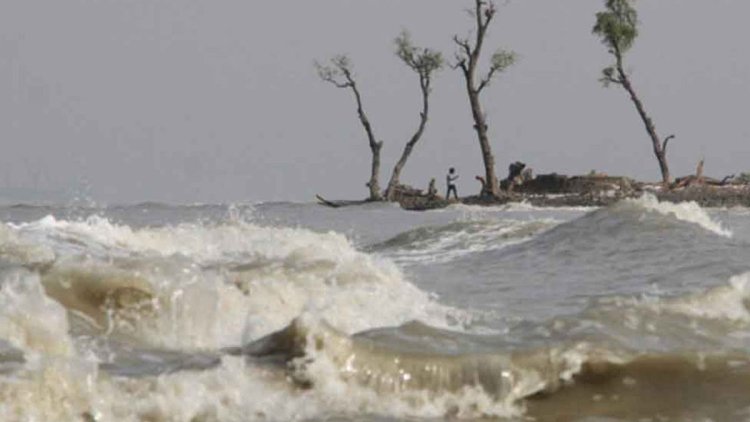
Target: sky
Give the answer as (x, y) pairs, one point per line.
(190, 101)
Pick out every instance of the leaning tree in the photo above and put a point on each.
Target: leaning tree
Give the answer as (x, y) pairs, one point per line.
(339, 73)
(617, 26)
(425, 62)
(467, 59)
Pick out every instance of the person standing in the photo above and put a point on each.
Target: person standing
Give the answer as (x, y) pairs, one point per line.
(449, 180)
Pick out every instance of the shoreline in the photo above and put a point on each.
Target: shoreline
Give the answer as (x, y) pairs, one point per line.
(706, 196)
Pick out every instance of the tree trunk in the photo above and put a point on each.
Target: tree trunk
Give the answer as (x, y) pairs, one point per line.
(375, 147)
(374, 183)
(491, 186)
(483, 18)
(659, 147)
(396, 175)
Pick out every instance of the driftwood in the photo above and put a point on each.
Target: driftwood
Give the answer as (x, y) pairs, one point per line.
(701, 180)
(341, 203)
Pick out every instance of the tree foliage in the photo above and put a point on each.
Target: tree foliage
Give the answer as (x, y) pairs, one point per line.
(424, 61)
(501, 60)
(617, 25)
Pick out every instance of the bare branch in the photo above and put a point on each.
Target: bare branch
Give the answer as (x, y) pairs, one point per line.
(607, 80)
(608, 77)
(464, 45)
(461, 64)
(338, 72)
(666, 141)
(489, 12)
(457, 63)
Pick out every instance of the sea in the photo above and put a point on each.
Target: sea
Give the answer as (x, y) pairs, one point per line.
(153, 312)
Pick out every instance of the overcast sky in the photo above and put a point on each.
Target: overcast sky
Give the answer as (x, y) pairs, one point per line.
(218, 100)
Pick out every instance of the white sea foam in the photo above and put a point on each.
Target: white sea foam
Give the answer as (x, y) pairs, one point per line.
(51, 382)
(16, 251)
(213, 286)
(689, 212)
(29, 320)
(205, 243)
(216, 285)
(354, 378)
(729, 302)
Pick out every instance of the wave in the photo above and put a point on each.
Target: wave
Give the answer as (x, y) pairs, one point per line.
(729, 303)
(439, 244)
(630, 228)
(689, 212)
(613, 359)
(522, 206)
(120, 315)
(713, 317)
(208, 285)
(100, 320)
(391, 376)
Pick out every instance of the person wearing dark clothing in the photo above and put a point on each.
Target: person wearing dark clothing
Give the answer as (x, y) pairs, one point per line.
(449, 179)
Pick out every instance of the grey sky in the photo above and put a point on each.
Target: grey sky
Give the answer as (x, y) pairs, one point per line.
(217, 100)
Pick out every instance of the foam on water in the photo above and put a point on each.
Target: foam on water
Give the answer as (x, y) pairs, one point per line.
(729, 303)
(29, 319)
(208, 286)
(205, 243)
(15, 251)
(48, 386)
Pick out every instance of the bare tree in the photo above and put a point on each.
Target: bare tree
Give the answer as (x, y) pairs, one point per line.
(425, 62)
(467, 59)
(617, 27)
(339, 73)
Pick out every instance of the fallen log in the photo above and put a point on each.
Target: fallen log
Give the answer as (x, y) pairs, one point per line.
(340, 203)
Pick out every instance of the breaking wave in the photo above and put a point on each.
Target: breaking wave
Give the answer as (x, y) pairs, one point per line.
(417, 371)
(233, 274)
(689, 212)
(90, 310)
(232, 321)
